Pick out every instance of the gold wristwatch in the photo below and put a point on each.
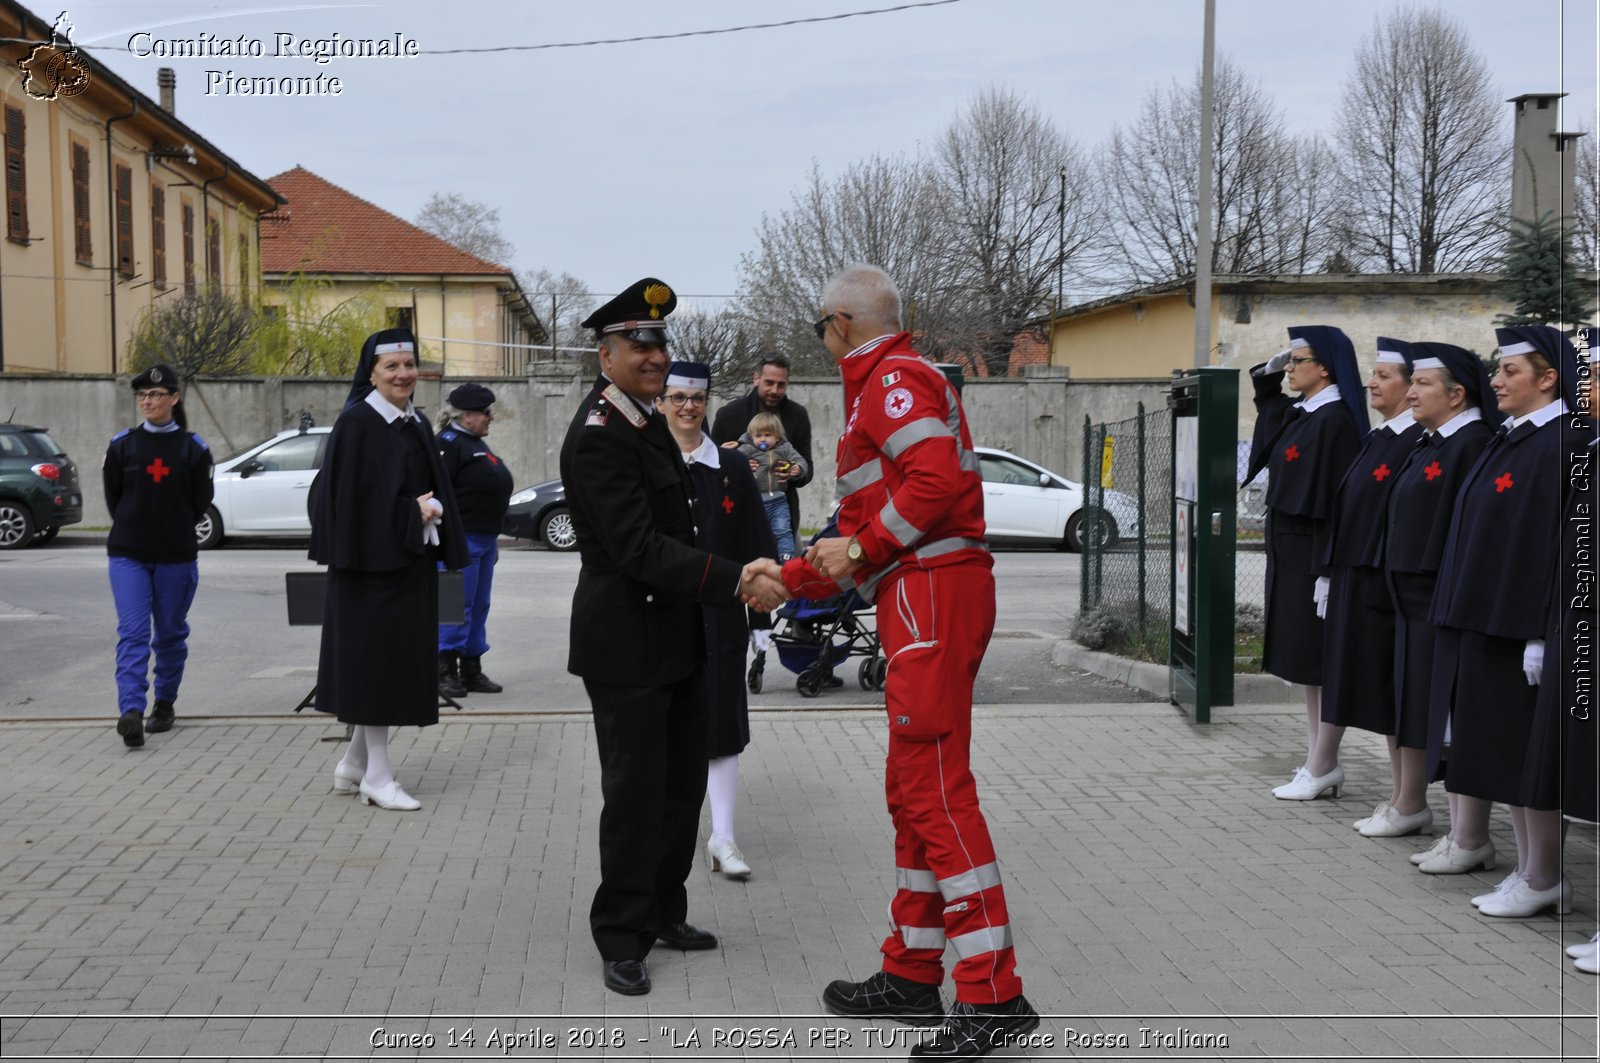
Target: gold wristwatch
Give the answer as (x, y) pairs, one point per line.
(854, 551)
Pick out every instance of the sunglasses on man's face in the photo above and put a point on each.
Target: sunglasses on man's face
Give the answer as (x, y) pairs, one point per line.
(821, 327)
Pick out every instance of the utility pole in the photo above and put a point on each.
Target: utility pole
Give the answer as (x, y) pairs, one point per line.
(1061, 259)
(1202, 250)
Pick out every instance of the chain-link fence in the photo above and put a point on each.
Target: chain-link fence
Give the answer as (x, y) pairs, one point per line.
(1125, 597)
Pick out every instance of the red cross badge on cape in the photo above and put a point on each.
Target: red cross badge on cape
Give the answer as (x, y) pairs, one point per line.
(1292, 453)
(157, 469)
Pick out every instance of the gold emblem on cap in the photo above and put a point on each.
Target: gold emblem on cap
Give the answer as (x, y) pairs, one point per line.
(657, 295)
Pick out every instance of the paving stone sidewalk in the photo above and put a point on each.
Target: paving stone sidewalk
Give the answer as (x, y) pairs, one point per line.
(209, 897)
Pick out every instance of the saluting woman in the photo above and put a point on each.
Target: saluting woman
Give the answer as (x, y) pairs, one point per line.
(1358, 635)
(1307, 456)
(383, 516)
(1493, 605)
(1449, 389)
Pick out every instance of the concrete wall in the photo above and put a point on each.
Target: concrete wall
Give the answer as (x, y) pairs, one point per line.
(1039, 419)
(1146, 338)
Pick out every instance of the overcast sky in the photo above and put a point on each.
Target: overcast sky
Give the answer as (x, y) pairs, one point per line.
(659, 157)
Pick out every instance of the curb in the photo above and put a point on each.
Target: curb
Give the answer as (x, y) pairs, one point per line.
(1153, 678)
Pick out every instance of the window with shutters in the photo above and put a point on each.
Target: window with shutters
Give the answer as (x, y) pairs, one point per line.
(188, 248)
(16, 176)
(82, 233)
(158, 235)
(124, 179)
(214, 249)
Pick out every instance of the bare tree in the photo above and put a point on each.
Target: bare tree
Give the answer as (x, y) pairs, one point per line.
(561, 301)
(1273, 195)
(1423, 147)
(716, 338)
(1017, 207)
(1586, 204)
(883, 211)
(205, 331)
(472, 226)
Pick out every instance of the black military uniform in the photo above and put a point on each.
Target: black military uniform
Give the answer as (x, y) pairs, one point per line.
(638, 643)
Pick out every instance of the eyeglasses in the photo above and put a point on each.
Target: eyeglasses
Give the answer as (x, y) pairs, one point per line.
(1301, 359)
(678, 398)
(821, 327)
(779, 360)
(153, 394)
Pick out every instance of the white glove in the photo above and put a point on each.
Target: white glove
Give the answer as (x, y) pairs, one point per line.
(1533, 661)
(1320, 597)
(761, 639)
(1275, 364)
(430, 530)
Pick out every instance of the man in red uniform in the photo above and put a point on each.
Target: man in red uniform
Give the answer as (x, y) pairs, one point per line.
(911, 539)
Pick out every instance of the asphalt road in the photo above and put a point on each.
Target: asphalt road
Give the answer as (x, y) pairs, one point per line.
(58, 636)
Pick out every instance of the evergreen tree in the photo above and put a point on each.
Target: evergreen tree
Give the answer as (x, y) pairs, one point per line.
(1545, 288)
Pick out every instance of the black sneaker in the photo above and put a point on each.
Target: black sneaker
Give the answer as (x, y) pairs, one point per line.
(886, 996)
(161, 718)
(130, 725)
(973, 1030)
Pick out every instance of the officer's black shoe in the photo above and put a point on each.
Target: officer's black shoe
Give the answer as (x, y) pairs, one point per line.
(973, 1030)
(449, 685)
(627, 977)
(161, 718)
(830, 681)
(473, 679)
(885, 996)
(130, 725)
(684, 936)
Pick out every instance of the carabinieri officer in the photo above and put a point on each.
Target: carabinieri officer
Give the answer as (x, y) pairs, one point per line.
(638, 640)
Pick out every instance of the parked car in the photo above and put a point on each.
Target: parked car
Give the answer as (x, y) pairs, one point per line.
(265, 490)
(1027, 503)
(38, 487)
(540, 513)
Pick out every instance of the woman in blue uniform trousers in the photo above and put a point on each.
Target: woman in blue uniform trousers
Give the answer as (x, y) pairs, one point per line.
(1493, 614)
(482, 485)
(1307, 448)
(1449, 391)
(158, 484)
(383, 517)
(729, 522)
(1358, 629)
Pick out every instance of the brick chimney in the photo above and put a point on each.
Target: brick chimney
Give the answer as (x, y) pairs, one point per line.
(167, 79)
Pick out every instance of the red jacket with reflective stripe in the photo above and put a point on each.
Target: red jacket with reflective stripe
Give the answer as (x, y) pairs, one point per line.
(909, 486)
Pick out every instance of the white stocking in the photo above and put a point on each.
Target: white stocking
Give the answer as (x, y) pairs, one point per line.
(722, 788)
(355, 754)
(379, 774)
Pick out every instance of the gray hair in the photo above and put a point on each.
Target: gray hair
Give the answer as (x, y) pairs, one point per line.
(447, 413)
(866, 292)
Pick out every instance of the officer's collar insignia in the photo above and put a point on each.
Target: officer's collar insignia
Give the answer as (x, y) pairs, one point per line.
(626, 406)
(656, 295)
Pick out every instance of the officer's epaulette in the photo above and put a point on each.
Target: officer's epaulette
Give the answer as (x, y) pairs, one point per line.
(449, 434)
(197, 438)
(626, 406)
(120, 434)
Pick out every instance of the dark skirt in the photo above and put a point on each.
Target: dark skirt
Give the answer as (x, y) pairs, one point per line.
(1490, 708)
(1415, 636)
(380, 637)
(1292, 649)
(1565, 742)
(727, 634)
(1358, 652)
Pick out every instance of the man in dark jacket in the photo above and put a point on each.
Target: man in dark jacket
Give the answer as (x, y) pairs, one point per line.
(771, 395)
(638, 640)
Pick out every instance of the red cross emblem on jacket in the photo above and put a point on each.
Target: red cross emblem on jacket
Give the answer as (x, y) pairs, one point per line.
(1292, 454)
(157, 469)
(1432, 472)
(1503, 483)
(1380, 472)
(727, 504)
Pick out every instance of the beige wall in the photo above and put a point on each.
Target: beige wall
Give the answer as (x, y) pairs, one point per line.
(1149, 338)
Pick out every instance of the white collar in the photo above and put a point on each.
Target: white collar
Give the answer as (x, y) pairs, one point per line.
(1460, 421)
(707, 453)
(388, 410)
(1320, 399)
(1540, 417)
(170, 426)
(1400, 421)
(871, 344)
(648, 407)
(463, 429)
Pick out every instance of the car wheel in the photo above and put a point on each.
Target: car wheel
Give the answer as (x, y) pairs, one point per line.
(16, 526)
(1102, 525)
(555, 528)
(208, 530)
(44, 535)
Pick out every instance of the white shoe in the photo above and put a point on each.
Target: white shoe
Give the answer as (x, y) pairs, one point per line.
(1436, 849)
(722, 855)
(1587, 964)
(1504, 884)
(1458, 861)
(1589, 948)
(1307, 787)
(345, 779)
(1396, 824)
(1522, 901)
(1376, 813)
(390, 797)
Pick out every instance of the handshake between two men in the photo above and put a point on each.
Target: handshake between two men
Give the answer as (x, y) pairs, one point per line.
(761, 585)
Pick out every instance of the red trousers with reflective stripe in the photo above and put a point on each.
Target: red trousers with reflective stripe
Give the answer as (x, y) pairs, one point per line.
(935, 625)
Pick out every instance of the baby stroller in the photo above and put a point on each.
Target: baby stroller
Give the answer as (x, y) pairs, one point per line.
(814, 637)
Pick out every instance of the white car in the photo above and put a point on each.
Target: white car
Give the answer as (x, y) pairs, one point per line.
(1027, 503)
(265, 490)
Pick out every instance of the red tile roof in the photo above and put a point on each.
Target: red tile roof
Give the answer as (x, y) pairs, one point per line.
(331, 230)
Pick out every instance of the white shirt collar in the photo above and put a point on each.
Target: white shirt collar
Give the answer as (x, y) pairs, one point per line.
(707, 453)
(1400, 421)
(871, 344)
(1320, 399)
(170, 426)
(1460, 421)
(459, 427)
(1540, 417)
(390, 412)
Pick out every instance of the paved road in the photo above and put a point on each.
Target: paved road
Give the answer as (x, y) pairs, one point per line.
(58, 627)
